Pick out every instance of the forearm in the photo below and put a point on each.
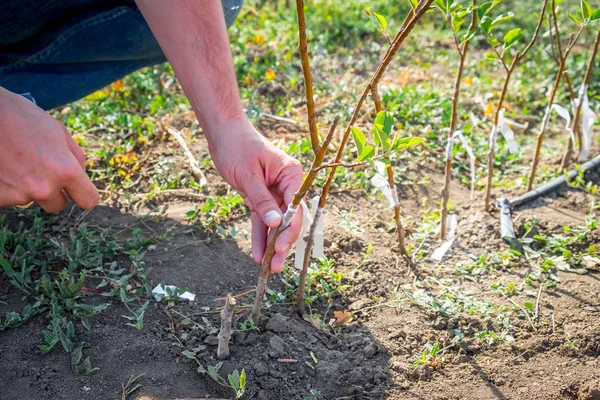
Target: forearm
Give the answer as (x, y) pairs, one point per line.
(194, 38)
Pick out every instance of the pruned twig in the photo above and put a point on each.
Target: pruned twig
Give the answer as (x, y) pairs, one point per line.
(225, 332)
(193, 163)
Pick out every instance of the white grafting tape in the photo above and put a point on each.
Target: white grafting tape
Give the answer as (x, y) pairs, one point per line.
(320, 229)
(588, 119)
(564, 114)
(382, 184)
(508, 133)
(300, 243)
(288, 216)
(441, 251)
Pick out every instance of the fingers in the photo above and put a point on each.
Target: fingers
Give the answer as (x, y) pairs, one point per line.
(74, 147)
(263, 202)
(259, 237)
(54, 203)
(81, 190)
(289, 236)
(277, 262)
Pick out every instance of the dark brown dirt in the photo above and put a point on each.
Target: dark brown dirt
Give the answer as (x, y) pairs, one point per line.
(370, 359)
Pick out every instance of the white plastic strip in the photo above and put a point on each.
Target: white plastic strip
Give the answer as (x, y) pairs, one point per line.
(300, 243)
(320, 228)
(162, 290)
(382, 184)
(289, 216)
(441, 251)
(508, 133)
(564, 114)
(472, 158)
(588, 119)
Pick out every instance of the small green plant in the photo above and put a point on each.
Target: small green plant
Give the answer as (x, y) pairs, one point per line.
(236, 381)
(429, 355)
(129, 387)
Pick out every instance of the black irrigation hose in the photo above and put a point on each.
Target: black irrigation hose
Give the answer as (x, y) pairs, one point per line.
(505, 206)
(554, 184)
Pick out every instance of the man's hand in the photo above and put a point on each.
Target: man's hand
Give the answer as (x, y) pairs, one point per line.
(266, 177)
(193, 36)
(39, 160)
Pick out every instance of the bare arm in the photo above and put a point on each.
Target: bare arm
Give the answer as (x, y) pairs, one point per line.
(193, 36)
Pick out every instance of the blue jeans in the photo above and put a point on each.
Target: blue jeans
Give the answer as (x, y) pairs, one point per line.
(62, 50)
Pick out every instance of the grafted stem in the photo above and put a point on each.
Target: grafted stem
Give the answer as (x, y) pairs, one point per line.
(225, 332)
(462, 51)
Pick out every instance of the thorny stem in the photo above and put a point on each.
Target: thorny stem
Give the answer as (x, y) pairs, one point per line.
(265, 268)
(509, 71)
(308, 85)
(576, 124)
(462, 50)
(225, 332)
(561, 68)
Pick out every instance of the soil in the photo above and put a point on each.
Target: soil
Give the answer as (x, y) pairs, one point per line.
(287, 357)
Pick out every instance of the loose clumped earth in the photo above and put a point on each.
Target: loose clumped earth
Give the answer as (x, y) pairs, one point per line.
(489, 321)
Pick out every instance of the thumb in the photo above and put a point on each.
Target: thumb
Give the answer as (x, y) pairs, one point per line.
(263, 202)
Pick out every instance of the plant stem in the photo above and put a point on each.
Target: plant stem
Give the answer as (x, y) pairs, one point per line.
(225, 332)
(509, 71)
(462, 51)
(308, 85)
(261, 287)
(310, 242)
(576, 122)
(561, 68)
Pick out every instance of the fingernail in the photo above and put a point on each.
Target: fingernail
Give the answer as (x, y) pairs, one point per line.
(272, 216)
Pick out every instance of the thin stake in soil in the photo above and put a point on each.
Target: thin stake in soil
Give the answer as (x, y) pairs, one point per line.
(576, 122)
(462, 51)
(509, 71)
(225, 332)
(562, 57)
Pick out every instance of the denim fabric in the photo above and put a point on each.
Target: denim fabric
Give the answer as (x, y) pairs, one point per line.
(62, 50)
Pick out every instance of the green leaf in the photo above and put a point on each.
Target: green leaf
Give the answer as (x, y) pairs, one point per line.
(529, 305)
(485, 23)
(575, 19)
(8, 270)
(511, 37)
(441, 4)
(359, 139)
(407, 142)
(491, 56)
(486, 8)
(467, 36)
(500, 19)
(586, 10)
(385, 121)
(414, 3)
(243, 379)
(367, 153)
(382, 21)
(382, 139)
(435, 349)
(595, 15)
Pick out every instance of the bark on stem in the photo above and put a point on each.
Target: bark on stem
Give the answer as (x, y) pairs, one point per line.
(509, 71)
(561, 68)
(310, 242)
(462, 50)
(265, 268)
(576, 122)
(308, 85)
(225, 332)
(407, 27)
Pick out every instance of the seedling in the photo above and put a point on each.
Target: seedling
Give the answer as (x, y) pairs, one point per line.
(236, 381)
(131, 386)
(455, 15)
(503, 56)
(562, 62)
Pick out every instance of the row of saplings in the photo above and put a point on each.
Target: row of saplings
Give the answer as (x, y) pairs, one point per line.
(464, 22)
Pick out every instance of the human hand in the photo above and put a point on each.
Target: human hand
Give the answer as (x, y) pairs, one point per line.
(39, 160)
(265, 176)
